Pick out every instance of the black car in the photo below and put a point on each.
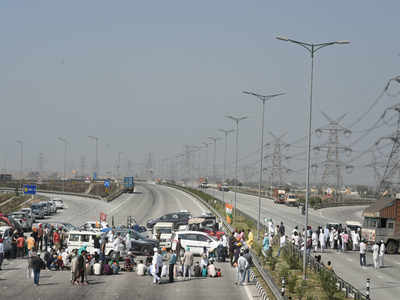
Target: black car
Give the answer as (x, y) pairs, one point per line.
(178, 218)
(140, 245)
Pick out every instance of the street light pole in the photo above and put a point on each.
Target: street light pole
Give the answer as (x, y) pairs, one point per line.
(226, 132)
(312, 49)
(206, 146)
(119, 164)
(97, 152)
(236, 120)
(21, 160)
(263, 99)
(214, 139)
(65, 159)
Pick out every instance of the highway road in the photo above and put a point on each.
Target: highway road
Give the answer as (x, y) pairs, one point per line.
(385, 282)
(149, 201)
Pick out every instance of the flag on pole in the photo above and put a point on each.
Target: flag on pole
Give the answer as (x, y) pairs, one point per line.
(228, 211)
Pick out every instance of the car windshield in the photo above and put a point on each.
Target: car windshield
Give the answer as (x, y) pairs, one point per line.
(36, 206)
(164, 230)
(137, 235)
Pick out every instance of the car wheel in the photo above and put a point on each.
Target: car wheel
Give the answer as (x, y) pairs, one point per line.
(392, 247)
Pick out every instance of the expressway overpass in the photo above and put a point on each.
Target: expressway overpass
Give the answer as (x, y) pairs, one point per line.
(149, 201)
(385, 282)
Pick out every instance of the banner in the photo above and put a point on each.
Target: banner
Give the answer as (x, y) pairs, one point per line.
(228, 211)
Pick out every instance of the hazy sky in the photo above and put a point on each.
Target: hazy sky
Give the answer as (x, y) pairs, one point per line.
(152, 76)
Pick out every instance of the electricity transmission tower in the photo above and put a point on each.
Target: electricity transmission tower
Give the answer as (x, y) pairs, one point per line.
(386, 163)
(277, 158)
(333, 165)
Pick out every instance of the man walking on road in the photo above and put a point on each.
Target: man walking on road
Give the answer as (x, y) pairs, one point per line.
(187, 263)
(381, 253)
(155, 264)
(36, 264)
(363, 250)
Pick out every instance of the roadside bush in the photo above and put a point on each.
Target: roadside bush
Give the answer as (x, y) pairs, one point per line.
(291, 283)
(328, 284)
(301, 289)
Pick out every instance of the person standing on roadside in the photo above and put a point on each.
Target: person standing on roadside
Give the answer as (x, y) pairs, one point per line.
(172, 262)
(178, 249)
(57, 239)
(375, 255)
(21, 246)
(250, 239)
(187, 263)
(155, 265)
(282, 229)
(30, 243)
(1, 252)
(381, 253)
(363, 250)
(36, 264)
(40, 238)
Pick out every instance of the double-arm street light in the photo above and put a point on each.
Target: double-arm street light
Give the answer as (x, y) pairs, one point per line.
(236, 120)
(64, 140)
(263, 99)
(226, 133)
(97, 153)
(312, 49)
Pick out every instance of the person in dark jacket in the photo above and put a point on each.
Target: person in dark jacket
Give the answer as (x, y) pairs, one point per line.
(36, 263)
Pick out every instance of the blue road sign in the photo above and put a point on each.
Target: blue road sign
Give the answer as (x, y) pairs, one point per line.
(30, 189)
(94, 175)
(106, 183)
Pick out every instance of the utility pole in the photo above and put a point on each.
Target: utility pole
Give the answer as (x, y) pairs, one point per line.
(226, 133)
(21, 144)
(214, 139)
(96, 139)
(119, 165)
(236, 120)
(64, 140)
(206, 147)
(263, 99)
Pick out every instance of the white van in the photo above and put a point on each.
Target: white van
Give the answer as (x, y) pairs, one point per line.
(5, 234)
(78, 239)
(195, 240)
(164, 230)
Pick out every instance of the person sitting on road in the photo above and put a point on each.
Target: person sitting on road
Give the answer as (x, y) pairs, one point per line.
(115, 267)
(197, 270)
(211, 270)
(204, 271)
(141, 268)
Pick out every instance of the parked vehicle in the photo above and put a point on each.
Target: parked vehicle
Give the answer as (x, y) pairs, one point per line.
(178, 218)
(38, 211)
(382, 222)
(53, 207)
(223, 188)
(206, 225)
(78, 239)
(5, 234)
(129, 184)
(291, 200)
(140, 245)
(279, 196)
(23, 219)
(93, 226)
(162, 231)
(196, 240)
(59, 203)
(46, 207)
(28, 211)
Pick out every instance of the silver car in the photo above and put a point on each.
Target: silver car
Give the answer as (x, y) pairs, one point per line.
(23, 219)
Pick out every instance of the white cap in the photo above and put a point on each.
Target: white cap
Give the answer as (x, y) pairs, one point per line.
(155, 249)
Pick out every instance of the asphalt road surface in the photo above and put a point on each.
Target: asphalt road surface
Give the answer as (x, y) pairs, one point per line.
(385, 282)
(149, 201)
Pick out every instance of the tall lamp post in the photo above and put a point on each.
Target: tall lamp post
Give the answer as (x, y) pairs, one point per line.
(206, 147)
(263, 99)
(21, 161)
(119, 164)
(236, 120)
(312, 49)
(64, 140)
(214, 139)
(96, 139)
(226, 133)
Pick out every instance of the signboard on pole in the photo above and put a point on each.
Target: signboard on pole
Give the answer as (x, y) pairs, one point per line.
(29, 189)
(228, 211)
(107, 183)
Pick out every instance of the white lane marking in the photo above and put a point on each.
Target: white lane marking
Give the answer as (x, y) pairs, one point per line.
(122, 203)
(397, 262)
(248, 293)
(379, 276)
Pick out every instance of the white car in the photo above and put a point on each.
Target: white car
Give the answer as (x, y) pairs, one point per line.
(78, 239)
(195, 240)
(164, 230)
(23, 219)
(59, 203)
(5, 234)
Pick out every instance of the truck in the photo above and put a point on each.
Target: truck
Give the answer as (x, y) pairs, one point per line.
(129, 184)
(291, 200)
(381, 222)
(279, 196)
